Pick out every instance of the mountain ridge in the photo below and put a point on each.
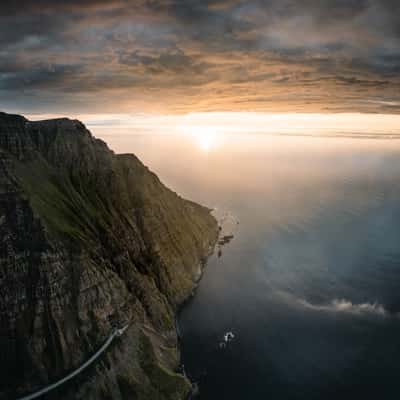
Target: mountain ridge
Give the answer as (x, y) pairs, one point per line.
(91, 240)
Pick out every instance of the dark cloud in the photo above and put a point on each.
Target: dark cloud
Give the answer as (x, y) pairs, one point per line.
(185, 55)
(39, 77)
(12, 7)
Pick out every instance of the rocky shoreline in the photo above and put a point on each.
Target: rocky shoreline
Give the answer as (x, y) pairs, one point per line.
(227, 225)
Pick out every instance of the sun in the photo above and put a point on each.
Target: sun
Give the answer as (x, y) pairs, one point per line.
(206, 137)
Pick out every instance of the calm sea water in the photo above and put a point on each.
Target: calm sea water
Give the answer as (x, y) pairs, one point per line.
(310, 284)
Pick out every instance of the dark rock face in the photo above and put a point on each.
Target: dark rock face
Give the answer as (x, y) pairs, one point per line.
(90, 240)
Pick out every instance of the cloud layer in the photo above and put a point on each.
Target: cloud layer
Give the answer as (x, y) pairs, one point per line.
(348, 307)
(200, 55)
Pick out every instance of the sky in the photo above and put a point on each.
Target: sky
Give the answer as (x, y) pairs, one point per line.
(174, 57)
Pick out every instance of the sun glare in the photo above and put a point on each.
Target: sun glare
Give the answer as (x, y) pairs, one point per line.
(206, 137)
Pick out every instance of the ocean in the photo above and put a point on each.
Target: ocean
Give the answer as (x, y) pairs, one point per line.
(304, 301)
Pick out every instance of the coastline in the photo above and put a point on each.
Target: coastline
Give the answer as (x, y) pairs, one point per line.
(196, 282)
(225, 228)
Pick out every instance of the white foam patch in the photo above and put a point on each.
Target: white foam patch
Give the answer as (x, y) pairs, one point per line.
(229, 336)
(227, 221)
(342, 305)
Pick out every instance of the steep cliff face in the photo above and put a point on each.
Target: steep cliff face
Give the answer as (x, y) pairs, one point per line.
(90, 241)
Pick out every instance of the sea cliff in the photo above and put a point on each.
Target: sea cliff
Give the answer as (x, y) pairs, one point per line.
(91, 241)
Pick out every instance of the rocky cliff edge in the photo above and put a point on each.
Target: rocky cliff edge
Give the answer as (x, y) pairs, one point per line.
(91, 241)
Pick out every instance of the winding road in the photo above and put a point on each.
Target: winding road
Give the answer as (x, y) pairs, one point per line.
(94, 357)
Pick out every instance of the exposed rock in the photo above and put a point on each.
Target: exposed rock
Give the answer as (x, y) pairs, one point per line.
(91, 240)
